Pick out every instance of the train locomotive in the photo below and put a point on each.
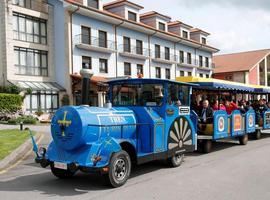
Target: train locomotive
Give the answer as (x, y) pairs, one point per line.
(147, 119)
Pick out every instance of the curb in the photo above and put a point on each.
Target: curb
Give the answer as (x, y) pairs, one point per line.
(18, 153)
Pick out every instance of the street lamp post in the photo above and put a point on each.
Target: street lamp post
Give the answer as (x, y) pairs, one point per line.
(86, 77)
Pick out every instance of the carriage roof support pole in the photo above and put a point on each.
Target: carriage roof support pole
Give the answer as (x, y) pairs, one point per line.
(219, 97)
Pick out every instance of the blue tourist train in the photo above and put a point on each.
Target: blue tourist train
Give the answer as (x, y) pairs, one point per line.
(146, 120)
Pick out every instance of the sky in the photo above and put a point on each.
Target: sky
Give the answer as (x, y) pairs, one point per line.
(234, 25)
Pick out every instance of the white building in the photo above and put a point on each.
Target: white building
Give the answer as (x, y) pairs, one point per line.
(27, 52)
(117, 39)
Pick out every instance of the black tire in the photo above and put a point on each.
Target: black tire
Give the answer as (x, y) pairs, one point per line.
(119, 169)
(176, 160)
(243, 140)
(258, 134)
(206, 146)
(61, 173)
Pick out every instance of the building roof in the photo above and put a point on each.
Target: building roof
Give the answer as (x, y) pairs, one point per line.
(154, 13)
(178, 23)
(236, 62)
(197, 30)
(120, 2)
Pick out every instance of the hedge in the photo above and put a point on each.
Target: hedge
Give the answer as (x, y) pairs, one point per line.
(24, 119)
(10, 102)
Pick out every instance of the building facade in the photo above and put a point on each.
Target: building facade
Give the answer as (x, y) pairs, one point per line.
(252, 67)
(27, 52)
(116, 40)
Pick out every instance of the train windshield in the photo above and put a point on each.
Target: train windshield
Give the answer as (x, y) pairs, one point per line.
(138, 95)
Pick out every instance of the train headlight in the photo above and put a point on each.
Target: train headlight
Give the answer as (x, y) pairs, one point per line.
(95, 159)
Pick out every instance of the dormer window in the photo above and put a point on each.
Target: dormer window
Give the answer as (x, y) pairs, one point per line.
(161, 26)
(185, 34)
(93, 3)
(132, 16)
(203, 40)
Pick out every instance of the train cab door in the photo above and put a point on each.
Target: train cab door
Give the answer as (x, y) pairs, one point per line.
(159, 144)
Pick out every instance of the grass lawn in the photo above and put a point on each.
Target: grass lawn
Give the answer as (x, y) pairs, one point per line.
(10, 140)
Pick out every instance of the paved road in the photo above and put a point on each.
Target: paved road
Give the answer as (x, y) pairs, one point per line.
(231, 172)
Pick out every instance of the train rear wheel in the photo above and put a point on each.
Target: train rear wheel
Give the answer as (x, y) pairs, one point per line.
(206, 146)
(119, 169)
(176, 160)
(61, 173)
(243, 140)
(258, 134)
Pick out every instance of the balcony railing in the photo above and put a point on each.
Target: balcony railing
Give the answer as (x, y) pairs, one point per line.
(94, 42)
(187, 61)
(134, 50)
(40, 6)
(164, 56)
(196, 62)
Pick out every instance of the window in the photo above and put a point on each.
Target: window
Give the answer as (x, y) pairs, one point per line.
(168, 74)
(102, 39)
(132, 16)
(189, 73)
(24, 3)
(167, 53)
(158, 72)
(139, 69)
(31, 62)
(93, 3)
(207, 76)
(201, 75)
(137, 95)
(203, 40)
(86, 35)
(182, 73)
(189, 58)
(46, 100)
(30, 29)
(200, 61)
(181, 55)
(139, 47)
(127, 44)
(86, 62)
(178, 93)
(157, 51)
(103, 65)
(184, 34)
(127, 69)
(161, 26)
(206, 62)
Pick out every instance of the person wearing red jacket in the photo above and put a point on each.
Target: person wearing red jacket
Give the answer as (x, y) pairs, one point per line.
(230, 106)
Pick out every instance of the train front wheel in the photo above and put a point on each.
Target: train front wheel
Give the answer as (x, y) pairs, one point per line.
(258, 134)
(176, 160)
(119, 169)
(206, 146)
(61, 173)
(243, 140)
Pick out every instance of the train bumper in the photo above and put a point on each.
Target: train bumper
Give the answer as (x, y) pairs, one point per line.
(89, 158)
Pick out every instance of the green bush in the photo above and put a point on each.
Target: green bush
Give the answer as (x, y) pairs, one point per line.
(24, 119)
(65, 100)
(10, 102)
(11, 89)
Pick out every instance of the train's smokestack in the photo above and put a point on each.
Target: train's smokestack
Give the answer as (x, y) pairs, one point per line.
(86, 76)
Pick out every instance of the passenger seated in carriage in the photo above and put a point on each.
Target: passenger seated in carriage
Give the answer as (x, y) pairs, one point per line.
(260, 108)
(230, 106)
(244, 106)
(205, 115)
(218, 107)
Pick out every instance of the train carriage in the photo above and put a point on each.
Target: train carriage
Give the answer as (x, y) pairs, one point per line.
(262, 119)
(223, 125)
(145, 122)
